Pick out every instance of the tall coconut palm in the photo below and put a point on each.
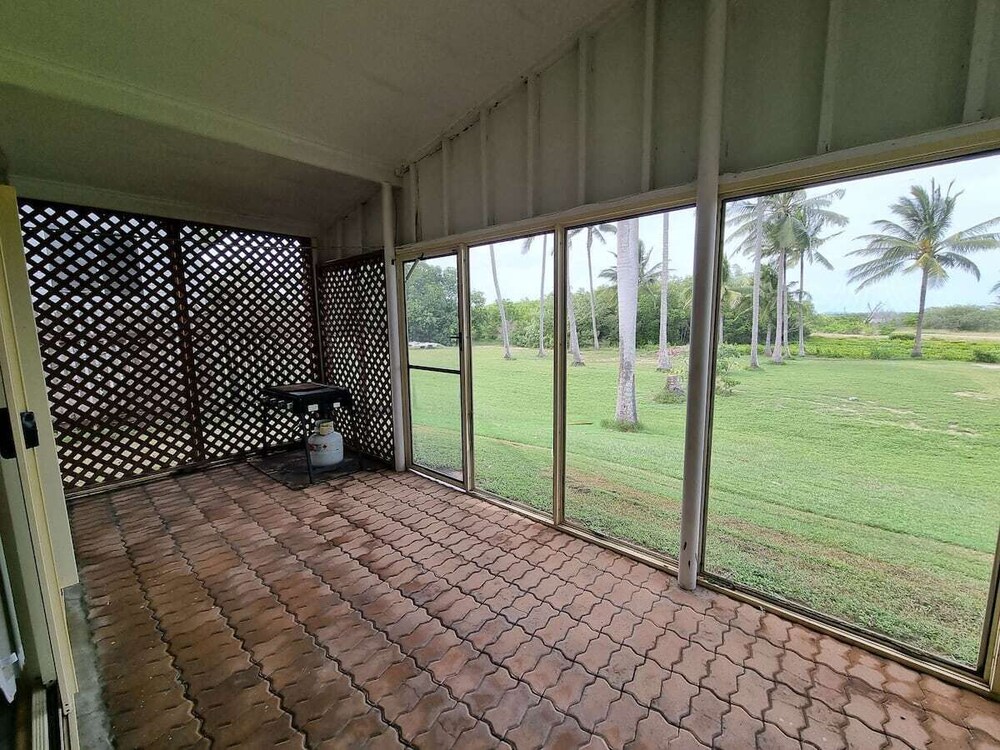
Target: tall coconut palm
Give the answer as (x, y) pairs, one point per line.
(663, 350)
(807, 251)
(525, 247)
(597, 232)
(627, 277)
(918, 241)
(647, 270)
(574, 335)
(504, 325)
(747, 217)
(785, 218)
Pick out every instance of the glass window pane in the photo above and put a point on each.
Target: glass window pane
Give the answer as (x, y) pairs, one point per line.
(436, 420)
(855, 471)
(512, 368)
(432, 311)
(625, 394)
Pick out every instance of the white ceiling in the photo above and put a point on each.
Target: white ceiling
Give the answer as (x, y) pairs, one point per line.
(173, 99)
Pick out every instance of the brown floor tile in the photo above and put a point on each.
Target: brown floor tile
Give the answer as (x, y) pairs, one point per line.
(387, 611)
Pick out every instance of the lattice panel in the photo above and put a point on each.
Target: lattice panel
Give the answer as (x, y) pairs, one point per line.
(106, 303)
(354, 338)
(252, 323)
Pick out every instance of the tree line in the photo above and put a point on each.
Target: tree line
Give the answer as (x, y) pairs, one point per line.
(779, 234)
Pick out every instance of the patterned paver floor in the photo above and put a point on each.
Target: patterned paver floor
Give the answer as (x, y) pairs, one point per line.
(388, 611)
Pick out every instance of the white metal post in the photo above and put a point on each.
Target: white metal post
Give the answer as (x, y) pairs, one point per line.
(392, 311)
(706, 254)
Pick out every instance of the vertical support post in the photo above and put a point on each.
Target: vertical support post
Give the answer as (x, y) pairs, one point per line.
(832, 56)
(703, 318)
(979, 60)
(392, 312)
(446, 184)
(561, 299)
(582, 89)
(465, 368)
(314, 261)
(532, 146)
(414, 204)
(649, 60)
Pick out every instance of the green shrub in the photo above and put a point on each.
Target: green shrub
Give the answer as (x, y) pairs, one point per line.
(880, 352)
(876, 347)
(902, 336)
(988, 356)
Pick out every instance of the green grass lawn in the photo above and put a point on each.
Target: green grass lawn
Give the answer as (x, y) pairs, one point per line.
(866, 489)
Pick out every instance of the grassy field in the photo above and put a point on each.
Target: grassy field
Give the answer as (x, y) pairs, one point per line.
(866, 489)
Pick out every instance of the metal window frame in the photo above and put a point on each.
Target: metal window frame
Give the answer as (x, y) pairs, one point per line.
(942, 146)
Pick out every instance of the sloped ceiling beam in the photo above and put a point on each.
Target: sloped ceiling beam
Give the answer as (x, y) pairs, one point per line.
(62, 82)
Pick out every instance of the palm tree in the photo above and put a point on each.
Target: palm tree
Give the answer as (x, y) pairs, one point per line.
(504, 326)
(785, 223)
(748, 218)
(996, 290)
(663, 350)
(647, 273)
(598, 232)
(525, 247)
(574, 335)
(627, 278)
(918, 241)
(812, 224)
(730, 296)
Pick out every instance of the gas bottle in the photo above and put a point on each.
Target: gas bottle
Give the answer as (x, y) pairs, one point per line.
(326, 445)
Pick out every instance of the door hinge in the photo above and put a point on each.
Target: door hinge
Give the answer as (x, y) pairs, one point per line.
(29, 429)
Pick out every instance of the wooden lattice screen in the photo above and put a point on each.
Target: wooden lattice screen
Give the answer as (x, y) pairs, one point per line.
(157, 336)
(354, 338)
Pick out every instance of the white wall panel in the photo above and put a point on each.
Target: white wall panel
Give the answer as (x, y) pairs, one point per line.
(993, 71)
(506, 146)
(556, 175)
(901, 69)
(614, 138)
(430, 217)
(774, 75)
(677, 91)
(466, 190)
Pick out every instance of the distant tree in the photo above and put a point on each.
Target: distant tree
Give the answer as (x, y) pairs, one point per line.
(627, 279)
(996, 290)
(663, 348)
(786, 221)
(918, 240)
(525, 247)
(431, 302)
(598, 232)
(647, 270)
(808, 251)
(504, 326)
(747, 218)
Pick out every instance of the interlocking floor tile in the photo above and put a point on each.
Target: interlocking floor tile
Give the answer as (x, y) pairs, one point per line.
(387, 611)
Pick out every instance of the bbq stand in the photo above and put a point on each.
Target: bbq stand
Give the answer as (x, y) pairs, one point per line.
(308, 401)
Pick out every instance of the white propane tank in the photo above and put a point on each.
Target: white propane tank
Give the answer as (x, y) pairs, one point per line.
(326, 446)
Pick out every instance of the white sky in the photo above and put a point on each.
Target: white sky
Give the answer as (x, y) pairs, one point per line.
(865, 200)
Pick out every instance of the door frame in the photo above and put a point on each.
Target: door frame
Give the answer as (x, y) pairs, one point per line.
(38, 541)
(463, 371)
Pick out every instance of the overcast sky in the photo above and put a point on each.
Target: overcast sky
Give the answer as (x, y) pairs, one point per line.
(864, 201)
